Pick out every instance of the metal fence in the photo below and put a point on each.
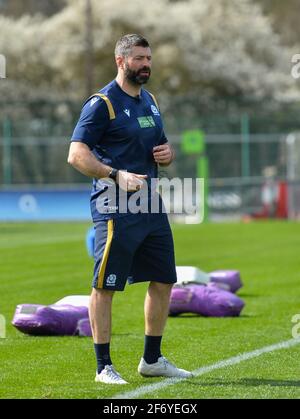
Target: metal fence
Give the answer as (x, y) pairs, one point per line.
(237, 165)
(37, 154)
(34, 142)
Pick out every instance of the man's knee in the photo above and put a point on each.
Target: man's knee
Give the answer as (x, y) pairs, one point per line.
(161, 287)
(102, 294)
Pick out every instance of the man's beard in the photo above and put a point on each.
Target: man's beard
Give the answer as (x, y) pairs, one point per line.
(135, 77)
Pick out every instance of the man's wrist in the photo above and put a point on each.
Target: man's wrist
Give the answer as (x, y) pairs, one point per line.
(113, 174)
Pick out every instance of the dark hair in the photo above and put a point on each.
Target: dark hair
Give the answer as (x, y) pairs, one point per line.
(127, 42)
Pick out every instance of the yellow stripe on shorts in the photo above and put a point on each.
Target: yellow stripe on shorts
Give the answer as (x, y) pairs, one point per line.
(110, 232)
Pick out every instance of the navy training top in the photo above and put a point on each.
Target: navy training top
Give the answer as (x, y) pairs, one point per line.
(125, 142)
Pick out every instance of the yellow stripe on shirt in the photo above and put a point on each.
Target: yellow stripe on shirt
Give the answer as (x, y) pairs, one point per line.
(154, 100)
(109, 105)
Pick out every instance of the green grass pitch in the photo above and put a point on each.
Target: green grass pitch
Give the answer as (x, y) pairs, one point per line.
(41, 263)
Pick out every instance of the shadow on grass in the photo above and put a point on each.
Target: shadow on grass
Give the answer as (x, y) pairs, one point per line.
(247, 382)
(192, 315)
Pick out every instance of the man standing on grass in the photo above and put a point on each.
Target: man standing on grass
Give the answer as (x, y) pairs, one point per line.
(119, 141)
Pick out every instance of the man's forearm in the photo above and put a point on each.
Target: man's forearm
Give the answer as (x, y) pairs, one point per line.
(86, 163)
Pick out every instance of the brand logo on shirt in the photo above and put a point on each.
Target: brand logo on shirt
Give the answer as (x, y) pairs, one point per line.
(94, 100)
(154, 110)
(111, 280)
(127, 111)
(146, 121)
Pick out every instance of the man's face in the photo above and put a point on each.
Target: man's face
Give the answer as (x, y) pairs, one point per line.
(137, 66)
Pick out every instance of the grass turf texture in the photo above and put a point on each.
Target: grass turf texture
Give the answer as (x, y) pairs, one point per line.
(41, 263)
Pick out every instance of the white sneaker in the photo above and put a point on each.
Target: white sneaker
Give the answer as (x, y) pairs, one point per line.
(162, 368)
(109, 376)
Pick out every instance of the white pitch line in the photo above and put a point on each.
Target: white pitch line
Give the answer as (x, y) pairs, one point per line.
(204, 370)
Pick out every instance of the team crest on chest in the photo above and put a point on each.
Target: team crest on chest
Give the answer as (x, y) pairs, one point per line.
(154, 110)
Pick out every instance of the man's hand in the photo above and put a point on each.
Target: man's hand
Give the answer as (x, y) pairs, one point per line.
(130, 182)
(81, 157)
(163, 154)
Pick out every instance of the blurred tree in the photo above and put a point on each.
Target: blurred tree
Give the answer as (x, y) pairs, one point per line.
(17, 8)
(89, 48)
(285, 18)
(202, 49)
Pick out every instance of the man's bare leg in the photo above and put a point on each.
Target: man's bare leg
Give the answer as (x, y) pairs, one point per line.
(100, 314)
(156, 313)
(100, 318)
(157, 308)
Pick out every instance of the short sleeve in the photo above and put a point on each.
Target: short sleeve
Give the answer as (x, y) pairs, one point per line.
(163, 139)
(93, 122)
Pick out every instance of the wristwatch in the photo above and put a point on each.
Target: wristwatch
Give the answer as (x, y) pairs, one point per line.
(113, 174)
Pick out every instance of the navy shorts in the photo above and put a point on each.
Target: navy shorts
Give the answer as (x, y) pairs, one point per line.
(133, 248)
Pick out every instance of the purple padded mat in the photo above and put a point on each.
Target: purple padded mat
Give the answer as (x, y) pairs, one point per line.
(36, 319)
(230, 278)
(207, 300)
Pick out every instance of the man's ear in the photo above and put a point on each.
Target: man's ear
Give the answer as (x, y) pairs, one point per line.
(120, 61)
